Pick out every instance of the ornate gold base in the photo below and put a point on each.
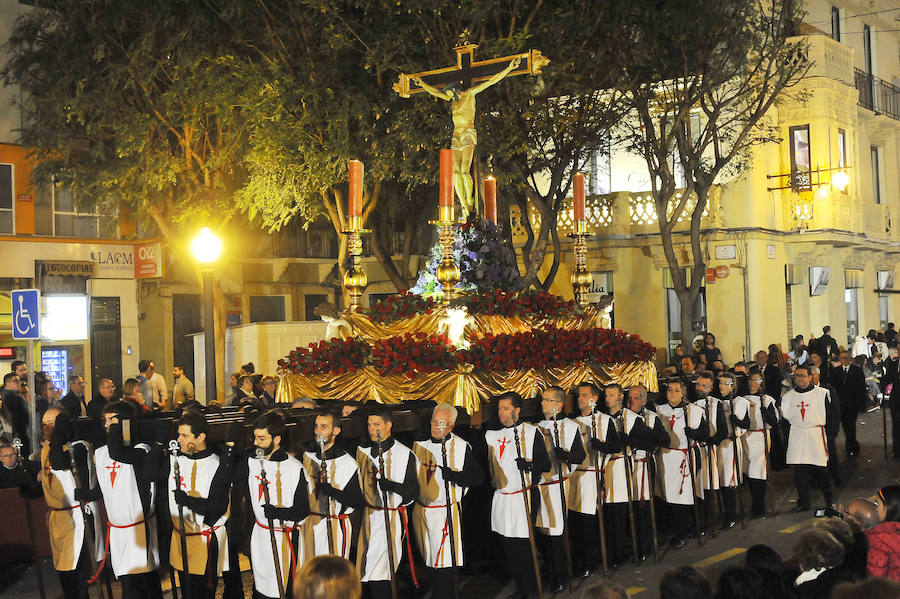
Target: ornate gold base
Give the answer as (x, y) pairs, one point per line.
(355, 279)
(581, 278)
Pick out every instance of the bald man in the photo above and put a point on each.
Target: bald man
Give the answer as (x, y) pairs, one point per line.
(865, 512)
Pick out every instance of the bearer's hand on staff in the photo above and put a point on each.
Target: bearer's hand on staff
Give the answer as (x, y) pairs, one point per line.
(561, 454)
(181, 498)
(598, 445)
(524, 465)
(389, 486)
(449, 474)
(271, 512)
(693, 433)
(325, 489)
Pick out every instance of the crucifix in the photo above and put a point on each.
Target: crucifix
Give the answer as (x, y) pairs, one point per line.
(459, 84)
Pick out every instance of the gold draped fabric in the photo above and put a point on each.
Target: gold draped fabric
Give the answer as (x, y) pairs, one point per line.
(464, 388)
(479, 326)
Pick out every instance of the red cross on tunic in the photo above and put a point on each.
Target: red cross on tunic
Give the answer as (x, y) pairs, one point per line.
(113, 472)
(261, 488)
(803, 405)
(429, 471)
(503, 443)
(685, 472)
(179, 482)
(672, 422)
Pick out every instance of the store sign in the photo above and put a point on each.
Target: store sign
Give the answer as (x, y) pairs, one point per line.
(148, 261)
(74, 268)
(113, 261)
(722, 272)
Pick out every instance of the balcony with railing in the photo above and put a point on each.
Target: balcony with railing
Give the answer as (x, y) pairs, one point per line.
(877, 95)
(620, 213)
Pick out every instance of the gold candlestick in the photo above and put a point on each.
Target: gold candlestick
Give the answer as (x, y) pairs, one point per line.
(355, 279)
(448, 271)
(581, 278)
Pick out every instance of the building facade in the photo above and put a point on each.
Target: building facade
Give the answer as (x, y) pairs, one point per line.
(787, 249)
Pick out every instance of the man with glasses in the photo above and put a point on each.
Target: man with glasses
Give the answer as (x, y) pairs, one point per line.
(73, 401)
(270, 388)
(105, 394)
(806, 409)
(15, 404)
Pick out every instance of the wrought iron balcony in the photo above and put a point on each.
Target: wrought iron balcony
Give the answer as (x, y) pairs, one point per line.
(877, 95)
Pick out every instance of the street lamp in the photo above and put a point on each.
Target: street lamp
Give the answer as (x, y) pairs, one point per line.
(206, 248)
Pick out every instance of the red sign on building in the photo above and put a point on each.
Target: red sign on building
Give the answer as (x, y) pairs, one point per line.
(148, 261)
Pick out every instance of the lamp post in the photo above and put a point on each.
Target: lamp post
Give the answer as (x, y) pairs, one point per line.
(206, 248)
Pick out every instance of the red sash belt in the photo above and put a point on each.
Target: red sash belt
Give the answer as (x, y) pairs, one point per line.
(552, 482)
(402, 510)
(286, 531)
(64, 509)
(342, 521)
(109, 527)
(444, 533)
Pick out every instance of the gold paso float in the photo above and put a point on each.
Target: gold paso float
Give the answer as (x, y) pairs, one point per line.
(463, 387)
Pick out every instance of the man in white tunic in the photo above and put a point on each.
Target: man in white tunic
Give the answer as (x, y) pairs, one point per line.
(461, 473)
(508, 515)
(334, 491)
(806, 408)
(737, 422)
(583, 481)
(686, 425)
(707, 472)
(763, 413)
(646, 434)
(68, 542)
(127, 475)
(390, 490)
(202, 492)
(288, 506)
(566, 452)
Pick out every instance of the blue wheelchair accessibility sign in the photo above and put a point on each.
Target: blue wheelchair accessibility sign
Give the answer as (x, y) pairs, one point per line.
(26, 314)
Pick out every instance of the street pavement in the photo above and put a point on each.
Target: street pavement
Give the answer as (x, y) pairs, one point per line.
(862, 476)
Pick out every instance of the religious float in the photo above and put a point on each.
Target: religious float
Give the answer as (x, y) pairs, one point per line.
(466, 332)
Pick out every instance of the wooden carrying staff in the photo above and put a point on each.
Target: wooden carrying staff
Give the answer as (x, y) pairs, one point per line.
(453, 561)
(387, 518)
(323, 473)
(690, 460)
(261, 456)
(712, 504)
(601, 491)
(182, 533)
(629, 479)
(564, 505)
(526, 497)
(650, 472)
(90, 542)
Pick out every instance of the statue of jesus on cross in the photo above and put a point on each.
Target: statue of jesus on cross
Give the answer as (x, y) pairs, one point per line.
(462, 105)
(459, 85)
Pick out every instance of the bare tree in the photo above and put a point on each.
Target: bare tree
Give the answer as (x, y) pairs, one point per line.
(707, 74)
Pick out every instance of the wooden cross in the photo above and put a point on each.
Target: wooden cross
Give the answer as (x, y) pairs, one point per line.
(467, 71)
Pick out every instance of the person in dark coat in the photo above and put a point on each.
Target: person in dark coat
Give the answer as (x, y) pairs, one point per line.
(850, 383)
(73, 401)
(818, 554)
(105, 394)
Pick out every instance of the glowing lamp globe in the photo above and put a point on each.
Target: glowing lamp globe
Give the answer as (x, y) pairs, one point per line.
(206, 247)
(840, 180)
